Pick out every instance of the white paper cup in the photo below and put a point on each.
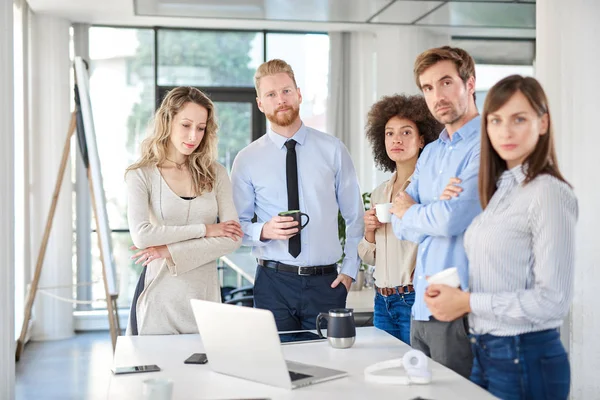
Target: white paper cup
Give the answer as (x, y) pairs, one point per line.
(383, 212)
(446, 277)
(157, 389)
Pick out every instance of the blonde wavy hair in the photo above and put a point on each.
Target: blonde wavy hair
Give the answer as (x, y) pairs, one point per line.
(154, 147)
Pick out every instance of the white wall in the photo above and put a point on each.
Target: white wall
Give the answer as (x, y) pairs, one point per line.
(382, 65)
(50, 108)
(7, 334)
(567, 62)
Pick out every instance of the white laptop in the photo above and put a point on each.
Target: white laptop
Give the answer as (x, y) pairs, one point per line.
(243, 342)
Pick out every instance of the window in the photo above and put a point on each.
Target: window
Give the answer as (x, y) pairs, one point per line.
(308, 54)
(208, 58)
(122, 96)
(488, 74)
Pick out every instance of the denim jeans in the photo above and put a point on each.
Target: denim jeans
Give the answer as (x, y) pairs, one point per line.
(392, 314)
(529, 366)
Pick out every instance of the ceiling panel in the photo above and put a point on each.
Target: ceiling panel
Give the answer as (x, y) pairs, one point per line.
(499, 52)
(286, 10)
(407, 11)
(489, 15)
(483, 1)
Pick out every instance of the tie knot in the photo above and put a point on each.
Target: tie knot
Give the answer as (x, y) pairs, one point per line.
(290, 144)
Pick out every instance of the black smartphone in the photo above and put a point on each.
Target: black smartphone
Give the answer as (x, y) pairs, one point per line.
(135, 369)
(197, 358)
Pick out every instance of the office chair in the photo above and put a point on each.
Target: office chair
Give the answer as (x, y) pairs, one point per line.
(243, 296)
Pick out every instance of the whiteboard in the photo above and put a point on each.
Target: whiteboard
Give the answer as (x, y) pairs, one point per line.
(89, 150)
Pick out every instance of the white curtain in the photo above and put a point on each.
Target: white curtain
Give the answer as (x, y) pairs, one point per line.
(351, 94)
(50, 113)
(338, 107)
(7, 339)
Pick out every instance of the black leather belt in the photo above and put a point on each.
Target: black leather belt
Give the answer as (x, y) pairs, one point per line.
(303, 271)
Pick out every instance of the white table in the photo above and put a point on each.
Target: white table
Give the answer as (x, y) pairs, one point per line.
(199, 382)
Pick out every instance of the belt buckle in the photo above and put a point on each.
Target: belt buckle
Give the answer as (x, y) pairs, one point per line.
(300, 271)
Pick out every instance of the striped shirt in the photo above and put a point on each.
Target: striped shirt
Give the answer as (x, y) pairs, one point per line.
(521, 256)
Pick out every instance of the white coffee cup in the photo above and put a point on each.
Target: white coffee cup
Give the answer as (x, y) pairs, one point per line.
(157, 389)
(448, 277)
(383, 212)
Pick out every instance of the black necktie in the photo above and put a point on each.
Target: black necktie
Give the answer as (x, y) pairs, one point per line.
(291, 174)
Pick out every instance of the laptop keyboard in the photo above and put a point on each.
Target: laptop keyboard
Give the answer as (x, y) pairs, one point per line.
(294, 376)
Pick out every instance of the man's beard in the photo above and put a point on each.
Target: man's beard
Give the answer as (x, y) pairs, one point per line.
(450, 116)
(284, 118)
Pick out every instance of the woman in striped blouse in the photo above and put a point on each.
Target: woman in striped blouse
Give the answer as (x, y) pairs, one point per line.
(520, 251)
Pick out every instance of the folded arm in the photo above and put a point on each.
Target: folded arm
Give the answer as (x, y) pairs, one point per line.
(144, 234)
(445, 217)
(190, 254)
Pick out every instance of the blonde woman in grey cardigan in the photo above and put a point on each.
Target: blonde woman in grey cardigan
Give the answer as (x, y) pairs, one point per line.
(175, 193)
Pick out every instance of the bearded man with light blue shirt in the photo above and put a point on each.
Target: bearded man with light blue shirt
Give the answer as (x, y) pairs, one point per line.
(294, 167)
(421, 214)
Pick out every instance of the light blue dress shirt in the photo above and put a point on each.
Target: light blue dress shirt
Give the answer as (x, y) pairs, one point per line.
(327, 183)
(438, 226)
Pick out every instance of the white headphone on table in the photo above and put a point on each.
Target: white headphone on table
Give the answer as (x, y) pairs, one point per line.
(414, 363)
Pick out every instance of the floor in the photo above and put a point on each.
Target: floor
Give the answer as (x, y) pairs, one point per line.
(76, 368)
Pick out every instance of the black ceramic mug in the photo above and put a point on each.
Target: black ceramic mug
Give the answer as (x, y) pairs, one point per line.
(341, 329)
(297, 215)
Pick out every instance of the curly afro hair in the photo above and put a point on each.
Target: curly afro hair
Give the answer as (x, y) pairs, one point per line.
(412, 108)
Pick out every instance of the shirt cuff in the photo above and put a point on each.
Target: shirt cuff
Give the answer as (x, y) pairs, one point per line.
(370, 246)
(202, 231)
(350, 269)
(481, 305)
(171, 266)
(256, 231)
(410, 214)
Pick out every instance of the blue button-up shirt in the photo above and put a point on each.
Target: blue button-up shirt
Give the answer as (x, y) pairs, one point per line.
(438, 226)
(327, 183)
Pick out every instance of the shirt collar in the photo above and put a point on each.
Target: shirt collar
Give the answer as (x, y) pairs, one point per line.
(390, 184)
(519, 173)
(516, 174)
(299, 137)
(467, 130)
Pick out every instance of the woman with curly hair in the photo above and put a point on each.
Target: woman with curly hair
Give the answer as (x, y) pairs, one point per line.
(398, 128)
(175, 193)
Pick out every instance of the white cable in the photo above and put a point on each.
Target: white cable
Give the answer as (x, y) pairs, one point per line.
(68, 300)
(69, 286)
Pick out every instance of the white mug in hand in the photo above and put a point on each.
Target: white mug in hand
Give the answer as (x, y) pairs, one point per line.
(383, 212)
(446, 277)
